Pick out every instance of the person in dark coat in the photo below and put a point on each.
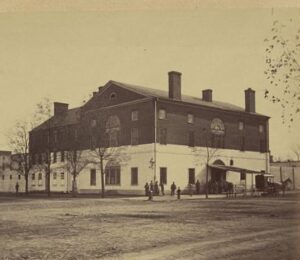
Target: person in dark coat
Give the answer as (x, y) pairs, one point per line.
(146, 189)
(190, 188)
(162, 188)
(178, 193)
(17, 188)
(156, 189)
(197, 187)
(173, 188)
(151, 186)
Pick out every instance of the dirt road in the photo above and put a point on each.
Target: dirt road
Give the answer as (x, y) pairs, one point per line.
(259, 228)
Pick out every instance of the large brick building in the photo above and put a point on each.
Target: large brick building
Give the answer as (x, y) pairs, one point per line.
(165, 136)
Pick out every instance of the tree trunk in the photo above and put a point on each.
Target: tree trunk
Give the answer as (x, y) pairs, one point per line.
(102, 178)
(48, 181)
(74, 186)
(26, 183)
(206, 185)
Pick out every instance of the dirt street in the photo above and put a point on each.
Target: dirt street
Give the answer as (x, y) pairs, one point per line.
(134, 228)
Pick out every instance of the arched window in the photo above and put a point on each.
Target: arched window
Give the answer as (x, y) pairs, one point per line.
(112, 173)
(113, 127)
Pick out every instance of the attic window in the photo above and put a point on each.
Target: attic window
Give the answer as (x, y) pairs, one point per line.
(112, 96)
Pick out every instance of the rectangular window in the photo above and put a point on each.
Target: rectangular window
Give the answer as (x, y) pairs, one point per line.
(62, 156)
(54, 157)
(54, 179)
(19, 177)
(40, 176)
(241, 125)
(40, 159)
(262, 145)
(3, 177)
(75, 134)
(55, 136)
(217, 141)
(242, 143)
(92, 142)
(113, 138)
(134, 176)
(10, 177)
(33, 176)
(190, 118)
(62, 178)
(162, 114)
(134, 115)
(243, 176)
(191, 176)
(112, 175)
(191, 141)
(163, 175)
(93, 123)
(93, 177)
(261, 129)
(33, 161)
(134, 136)
(163, 136)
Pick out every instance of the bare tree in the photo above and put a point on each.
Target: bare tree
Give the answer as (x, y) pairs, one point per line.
(105, 146)
(283, 68)
(206, 153)
(76, 162)
(44, 112)
(18, 140)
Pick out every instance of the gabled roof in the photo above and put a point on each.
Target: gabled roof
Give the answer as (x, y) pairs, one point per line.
(151, 92)
(72, 117)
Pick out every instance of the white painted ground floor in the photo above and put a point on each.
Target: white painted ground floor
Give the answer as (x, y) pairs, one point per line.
(128, 171)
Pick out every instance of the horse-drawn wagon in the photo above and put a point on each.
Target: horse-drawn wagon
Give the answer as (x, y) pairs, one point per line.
(265, 183)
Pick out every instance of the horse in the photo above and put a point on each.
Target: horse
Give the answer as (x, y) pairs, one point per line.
(281, 186)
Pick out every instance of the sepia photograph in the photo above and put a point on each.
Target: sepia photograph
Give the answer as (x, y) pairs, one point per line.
(149, 129)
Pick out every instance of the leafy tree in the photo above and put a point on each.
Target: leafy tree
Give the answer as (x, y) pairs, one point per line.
(283, 68)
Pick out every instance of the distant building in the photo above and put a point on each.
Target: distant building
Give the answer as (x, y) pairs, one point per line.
(159, 132)
(286, 169)
(8, 176)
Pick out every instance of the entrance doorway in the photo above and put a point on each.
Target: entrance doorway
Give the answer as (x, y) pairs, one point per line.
(218, 179)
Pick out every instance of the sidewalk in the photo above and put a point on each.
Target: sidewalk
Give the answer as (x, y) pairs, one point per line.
(182, 197)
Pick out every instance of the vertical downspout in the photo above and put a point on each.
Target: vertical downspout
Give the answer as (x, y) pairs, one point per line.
(267, 150)
(155, 136)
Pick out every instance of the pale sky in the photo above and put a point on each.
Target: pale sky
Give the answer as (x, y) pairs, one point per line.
(65, 55)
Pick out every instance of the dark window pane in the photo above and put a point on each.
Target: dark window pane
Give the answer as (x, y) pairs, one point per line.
(191, 141)
(134, 176)
(191, 176)
(93, 177)
(163, 175)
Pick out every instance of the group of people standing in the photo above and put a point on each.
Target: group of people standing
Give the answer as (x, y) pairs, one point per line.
(154, 189)
(158, 189)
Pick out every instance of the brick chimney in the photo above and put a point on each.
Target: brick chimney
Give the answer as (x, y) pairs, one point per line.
(60, 109)
(250, 100)
(207, 95)
(175, 85)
